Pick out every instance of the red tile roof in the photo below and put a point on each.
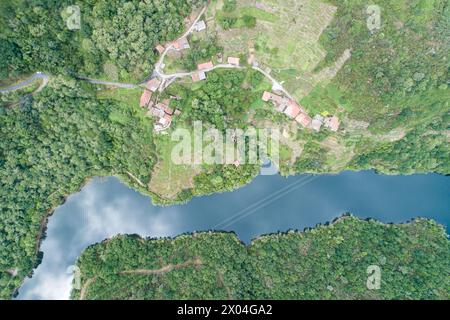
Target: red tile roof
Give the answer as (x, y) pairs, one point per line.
(161, 106)
(181, 44)
(292, 110)
(145, 98)
(156, 112)
(160, 48)
(278, 99)
(165, 106)
(266, 96)
(198, 76)
(303, 119)
(233, 61)
(165, 121)
(206, 65)
(332, 123)
(153, 84)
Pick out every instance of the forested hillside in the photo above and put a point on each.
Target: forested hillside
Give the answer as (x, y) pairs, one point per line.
(391, 96)
(116, 38)
(49, 148)
(327, 262)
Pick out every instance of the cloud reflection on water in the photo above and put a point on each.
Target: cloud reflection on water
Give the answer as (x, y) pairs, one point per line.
(105, 208)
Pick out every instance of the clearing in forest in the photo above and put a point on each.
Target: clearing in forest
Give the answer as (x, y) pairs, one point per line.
(168, 179)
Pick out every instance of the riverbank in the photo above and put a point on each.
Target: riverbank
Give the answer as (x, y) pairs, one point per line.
(326, 262)
(106, 207)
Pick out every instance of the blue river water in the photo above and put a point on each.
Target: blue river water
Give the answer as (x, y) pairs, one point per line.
(105, 207)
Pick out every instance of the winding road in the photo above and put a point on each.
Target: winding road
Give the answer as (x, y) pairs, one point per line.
(45, 78)
(109, 83)
(275, 84)
(37, 75)
(170, 47)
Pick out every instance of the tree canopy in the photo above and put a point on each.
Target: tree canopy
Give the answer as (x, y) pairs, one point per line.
(327, 262)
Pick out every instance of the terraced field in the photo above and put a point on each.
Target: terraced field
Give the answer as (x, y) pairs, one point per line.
(285, 40)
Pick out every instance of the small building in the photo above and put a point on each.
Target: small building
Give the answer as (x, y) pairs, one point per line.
(169, 111)
(278, 99)
(233, 61)
(181, 44)
(251, 59)
(317, 122)
(165, 120)
(198, 76)
(145, 98)
(200, 26)
(160, 49)
(332, 123)
(291, 102)
(303, 119)
(279, 102)
(177, 112)
(161, 106)
(292, 110)
(164, 106)
(155, 112)
(266, 96)
(153, 84)
(205, 66)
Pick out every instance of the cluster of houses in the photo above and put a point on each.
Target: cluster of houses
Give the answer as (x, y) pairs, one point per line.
(294, 111)
(159, 110)
(178, 45)
(202, 68)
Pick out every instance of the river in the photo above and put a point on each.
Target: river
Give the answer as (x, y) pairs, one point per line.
(105, 207)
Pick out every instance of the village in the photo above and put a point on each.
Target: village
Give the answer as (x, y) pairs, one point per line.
(294, 111)
(163, 113)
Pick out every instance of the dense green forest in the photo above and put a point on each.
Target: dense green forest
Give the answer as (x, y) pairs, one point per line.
(116, 39)
(392, 98)
(224, 101)
(327, 262)
(50, 146)
(396, 69)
